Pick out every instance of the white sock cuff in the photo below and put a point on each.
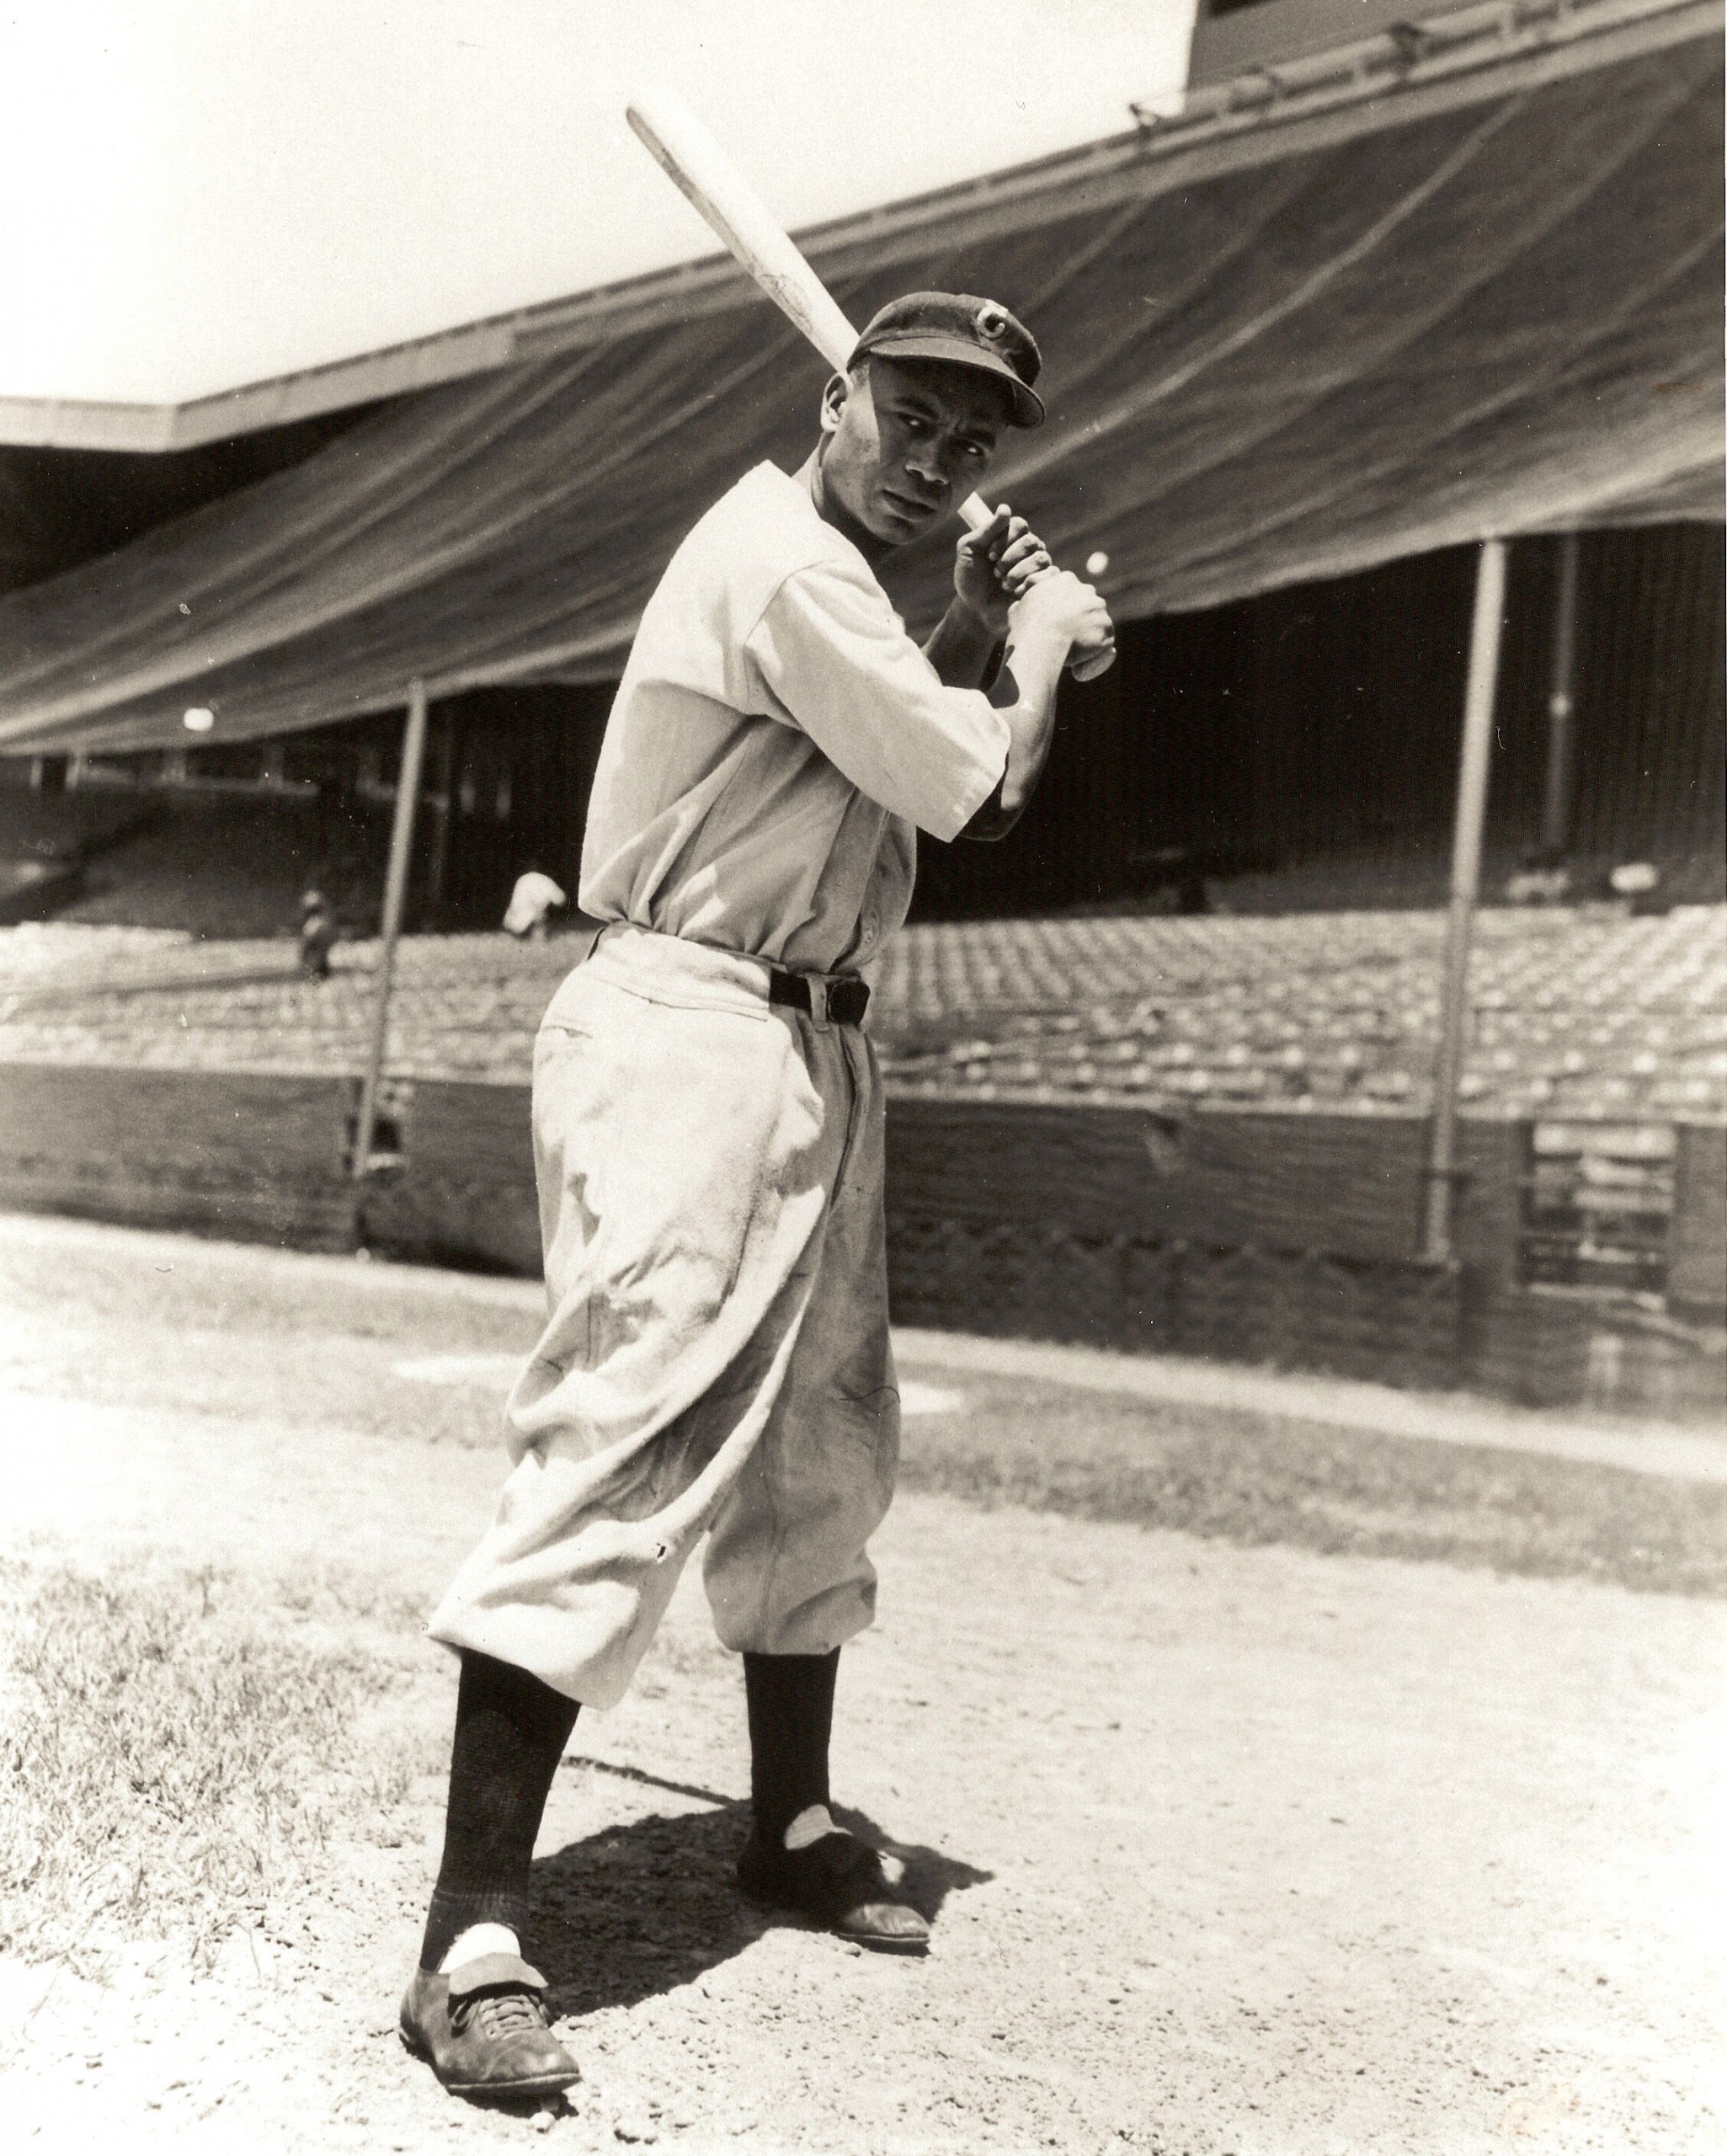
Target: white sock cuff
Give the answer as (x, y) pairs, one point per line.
(478, 1939)
(815, 1821)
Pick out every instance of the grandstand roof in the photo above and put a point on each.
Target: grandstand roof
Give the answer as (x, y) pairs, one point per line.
(219, 217)
(1462, 280)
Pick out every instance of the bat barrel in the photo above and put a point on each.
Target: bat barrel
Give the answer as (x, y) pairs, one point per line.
(705, 176)
(701, 172)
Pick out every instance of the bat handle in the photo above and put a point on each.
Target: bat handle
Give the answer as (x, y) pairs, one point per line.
(1086, 662)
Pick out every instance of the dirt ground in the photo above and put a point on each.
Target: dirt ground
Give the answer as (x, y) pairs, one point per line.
(1229, 1848)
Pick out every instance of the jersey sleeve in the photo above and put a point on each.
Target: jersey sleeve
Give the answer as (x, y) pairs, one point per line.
(835, 660)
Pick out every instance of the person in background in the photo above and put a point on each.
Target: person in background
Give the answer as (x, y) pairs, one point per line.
(1542, 879)
(1638, 882)
(535, 897)
(317, 934)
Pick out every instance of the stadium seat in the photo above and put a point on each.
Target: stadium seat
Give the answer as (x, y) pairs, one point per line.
(1578, 1013)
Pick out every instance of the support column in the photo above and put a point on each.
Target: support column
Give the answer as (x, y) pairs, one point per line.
(1556, 799)
(408, 787)
(1440, 1190)
(442, 802)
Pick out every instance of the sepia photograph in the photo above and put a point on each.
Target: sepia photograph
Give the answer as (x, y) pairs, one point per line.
(863, 1078)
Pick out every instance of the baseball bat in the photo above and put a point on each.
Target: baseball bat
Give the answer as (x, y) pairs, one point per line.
(703, 173)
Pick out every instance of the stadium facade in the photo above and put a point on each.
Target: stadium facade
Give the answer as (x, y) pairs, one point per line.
(1357, 323)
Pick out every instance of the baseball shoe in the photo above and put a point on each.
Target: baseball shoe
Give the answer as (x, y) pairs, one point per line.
(483, 2029)
(839, 1883)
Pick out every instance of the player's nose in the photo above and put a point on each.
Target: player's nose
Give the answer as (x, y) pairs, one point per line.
(926, 463)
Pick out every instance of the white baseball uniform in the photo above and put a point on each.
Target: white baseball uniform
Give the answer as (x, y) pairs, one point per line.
(710, 1165)
(534, 896)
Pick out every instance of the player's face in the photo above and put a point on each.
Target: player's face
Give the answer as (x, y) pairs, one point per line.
(907, 441)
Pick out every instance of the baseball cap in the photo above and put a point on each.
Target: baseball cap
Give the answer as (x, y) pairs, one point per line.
(965, 331)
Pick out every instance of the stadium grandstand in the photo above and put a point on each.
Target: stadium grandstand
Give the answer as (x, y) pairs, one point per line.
(1433, 284)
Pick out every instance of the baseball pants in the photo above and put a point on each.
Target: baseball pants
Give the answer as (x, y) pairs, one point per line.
(716, 1360)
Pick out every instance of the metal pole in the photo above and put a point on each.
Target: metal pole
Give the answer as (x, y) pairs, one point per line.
(443, 789)
(408, 787)
(1465, 886)
(1556, 802)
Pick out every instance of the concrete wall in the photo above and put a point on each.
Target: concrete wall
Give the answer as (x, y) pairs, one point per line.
(1698, 1277)
(1349, 1185)
(464, 1192)
(255, 1158)
(1284, 1239)
(1231, 39)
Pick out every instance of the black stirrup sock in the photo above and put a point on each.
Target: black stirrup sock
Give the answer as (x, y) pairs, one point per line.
(791, 1700)
(510, 1732)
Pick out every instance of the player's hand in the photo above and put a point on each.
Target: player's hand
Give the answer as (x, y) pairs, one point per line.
(994, 566)
(1060, 605)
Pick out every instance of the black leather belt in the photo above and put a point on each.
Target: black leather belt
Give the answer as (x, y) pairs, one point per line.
(846, 1000)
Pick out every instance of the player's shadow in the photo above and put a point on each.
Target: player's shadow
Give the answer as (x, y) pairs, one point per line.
(648, 1906)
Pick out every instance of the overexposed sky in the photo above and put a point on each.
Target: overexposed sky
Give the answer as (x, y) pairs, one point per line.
(198, 193)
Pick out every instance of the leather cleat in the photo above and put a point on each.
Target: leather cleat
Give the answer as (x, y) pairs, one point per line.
(838, 1882)
(484, 2030)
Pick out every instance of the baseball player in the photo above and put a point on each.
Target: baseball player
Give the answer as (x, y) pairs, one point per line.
(708, 1138)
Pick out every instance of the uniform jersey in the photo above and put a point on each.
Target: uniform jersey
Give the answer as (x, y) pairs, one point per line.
(716, 1360)
(777, 743)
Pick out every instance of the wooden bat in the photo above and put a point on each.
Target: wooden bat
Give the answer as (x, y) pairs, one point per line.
(705, 176)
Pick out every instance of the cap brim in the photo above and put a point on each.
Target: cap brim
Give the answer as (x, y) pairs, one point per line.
(956, 351)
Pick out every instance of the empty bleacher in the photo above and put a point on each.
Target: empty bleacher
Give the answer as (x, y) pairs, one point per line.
(1578, 1014)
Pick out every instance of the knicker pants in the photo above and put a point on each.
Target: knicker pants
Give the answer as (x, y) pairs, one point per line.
(716, 1358)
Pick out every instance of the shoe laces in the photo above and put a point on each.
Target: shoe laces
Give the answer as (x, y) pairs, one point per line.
(503, 2013)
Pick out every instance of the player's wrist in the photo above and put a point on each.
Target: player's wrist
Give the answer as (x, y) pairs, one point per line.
(970, 626)
(1040, 645)
(976, 613)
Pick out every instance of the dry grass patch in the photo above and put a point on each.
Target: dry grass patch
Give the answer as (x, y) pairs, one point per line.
(1253, 1479)
(180, 1749)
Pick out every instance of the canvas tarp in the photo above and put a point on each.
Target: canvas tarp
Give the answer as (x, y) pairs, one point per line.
(1285, 353)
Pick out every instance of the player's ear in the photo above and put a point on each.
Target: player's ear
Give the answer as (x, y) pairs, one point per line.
(833, 398)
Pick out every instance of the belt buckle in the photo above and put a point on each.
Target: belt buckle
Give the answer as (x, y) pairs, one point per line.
(819, 1002)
